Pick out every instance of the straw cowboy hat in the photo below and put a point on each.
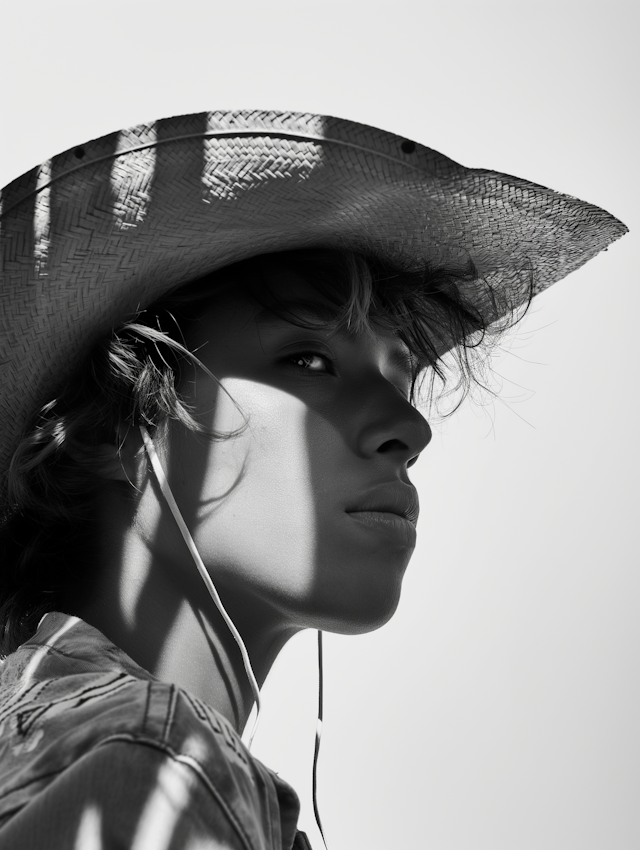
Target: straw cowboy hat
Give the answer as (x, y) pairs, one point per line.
(105, 228)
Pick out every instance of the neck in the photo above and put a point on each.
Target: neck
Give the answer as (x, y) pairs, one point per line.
(161, 614)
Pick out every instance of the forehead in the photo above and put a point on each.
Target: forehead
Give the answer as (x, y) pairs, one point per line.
(294, 292)
(290, 288)
(288, 301)
(281, 296)
(292, 299)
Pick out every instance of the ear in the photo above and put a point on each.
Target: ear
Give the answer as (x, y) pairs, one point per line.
(117, 461)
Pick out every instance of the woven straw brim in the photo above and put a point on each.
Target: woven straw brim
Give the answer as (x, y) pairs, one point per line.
(103, 229)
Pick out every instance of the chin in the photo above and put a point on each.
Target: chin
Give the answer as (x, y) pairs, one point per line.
(366, 614)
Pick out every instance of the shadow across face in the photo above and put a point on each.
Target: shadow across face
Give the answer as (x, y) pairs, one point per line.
(299, 518)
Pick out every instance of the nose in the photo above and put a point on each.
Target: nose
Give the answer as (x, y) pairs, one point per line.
(395, 429)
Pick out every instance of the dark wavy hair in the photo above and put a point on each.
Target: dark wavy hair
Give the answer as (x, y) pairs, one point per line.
(134, 375)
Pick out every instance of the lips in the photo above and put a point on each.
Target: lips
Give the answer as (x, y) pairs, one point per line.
(400, 499)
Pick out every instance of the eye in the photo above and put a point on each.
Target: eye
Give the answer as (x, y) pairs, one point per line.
(312, 361)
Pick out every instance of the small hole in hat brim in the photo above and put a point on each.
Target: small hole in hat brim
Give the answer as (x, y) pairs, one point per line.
(408, 146)
(79, 152)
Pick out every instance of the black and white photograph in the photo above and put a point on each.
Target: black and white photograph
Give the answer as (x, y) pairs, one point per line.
(319, 425)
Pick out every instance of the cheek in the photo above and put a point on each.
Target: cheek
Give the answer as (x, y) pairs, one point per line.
(266, 510)
(251, 496)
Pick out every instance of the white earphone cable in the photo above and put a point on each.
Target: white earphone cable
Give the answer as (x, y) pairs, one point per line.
(188, 539)
(316, 751)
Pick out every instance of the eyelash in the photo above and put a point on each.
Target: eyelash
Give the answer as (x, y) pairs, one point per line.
(301, 355)
(329, 360)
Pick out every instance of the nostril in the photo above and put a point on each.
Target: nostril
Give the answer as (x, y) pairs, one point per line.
(393, 446)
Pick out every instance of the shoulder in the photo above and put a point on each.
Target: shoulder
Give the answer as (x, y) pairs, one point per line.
(124, 794)
(146, 736)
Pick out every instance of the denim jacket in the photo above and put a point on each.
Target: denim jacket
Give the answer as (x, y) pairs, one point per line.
(98, 754)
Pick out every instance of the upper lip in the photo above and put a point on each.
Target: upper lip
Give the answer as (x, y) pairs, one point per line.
(401, 499)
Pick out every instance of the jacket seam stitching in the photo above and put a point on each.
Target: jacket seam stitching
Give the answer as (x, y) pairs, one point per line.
(195, 766)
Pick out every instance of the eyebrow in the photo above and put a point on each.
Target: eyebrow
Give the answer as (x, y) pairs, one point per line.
(401, 359)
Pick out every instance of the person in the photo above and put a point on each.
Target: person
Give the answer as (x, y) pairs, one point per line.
(218, 334)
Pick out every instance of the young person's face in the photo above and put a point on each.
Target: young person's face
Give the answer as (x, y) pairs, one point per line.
(272, 511)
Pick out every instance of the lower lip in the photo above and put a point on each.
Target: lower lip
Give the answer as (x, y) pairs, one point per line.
(386, 522)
